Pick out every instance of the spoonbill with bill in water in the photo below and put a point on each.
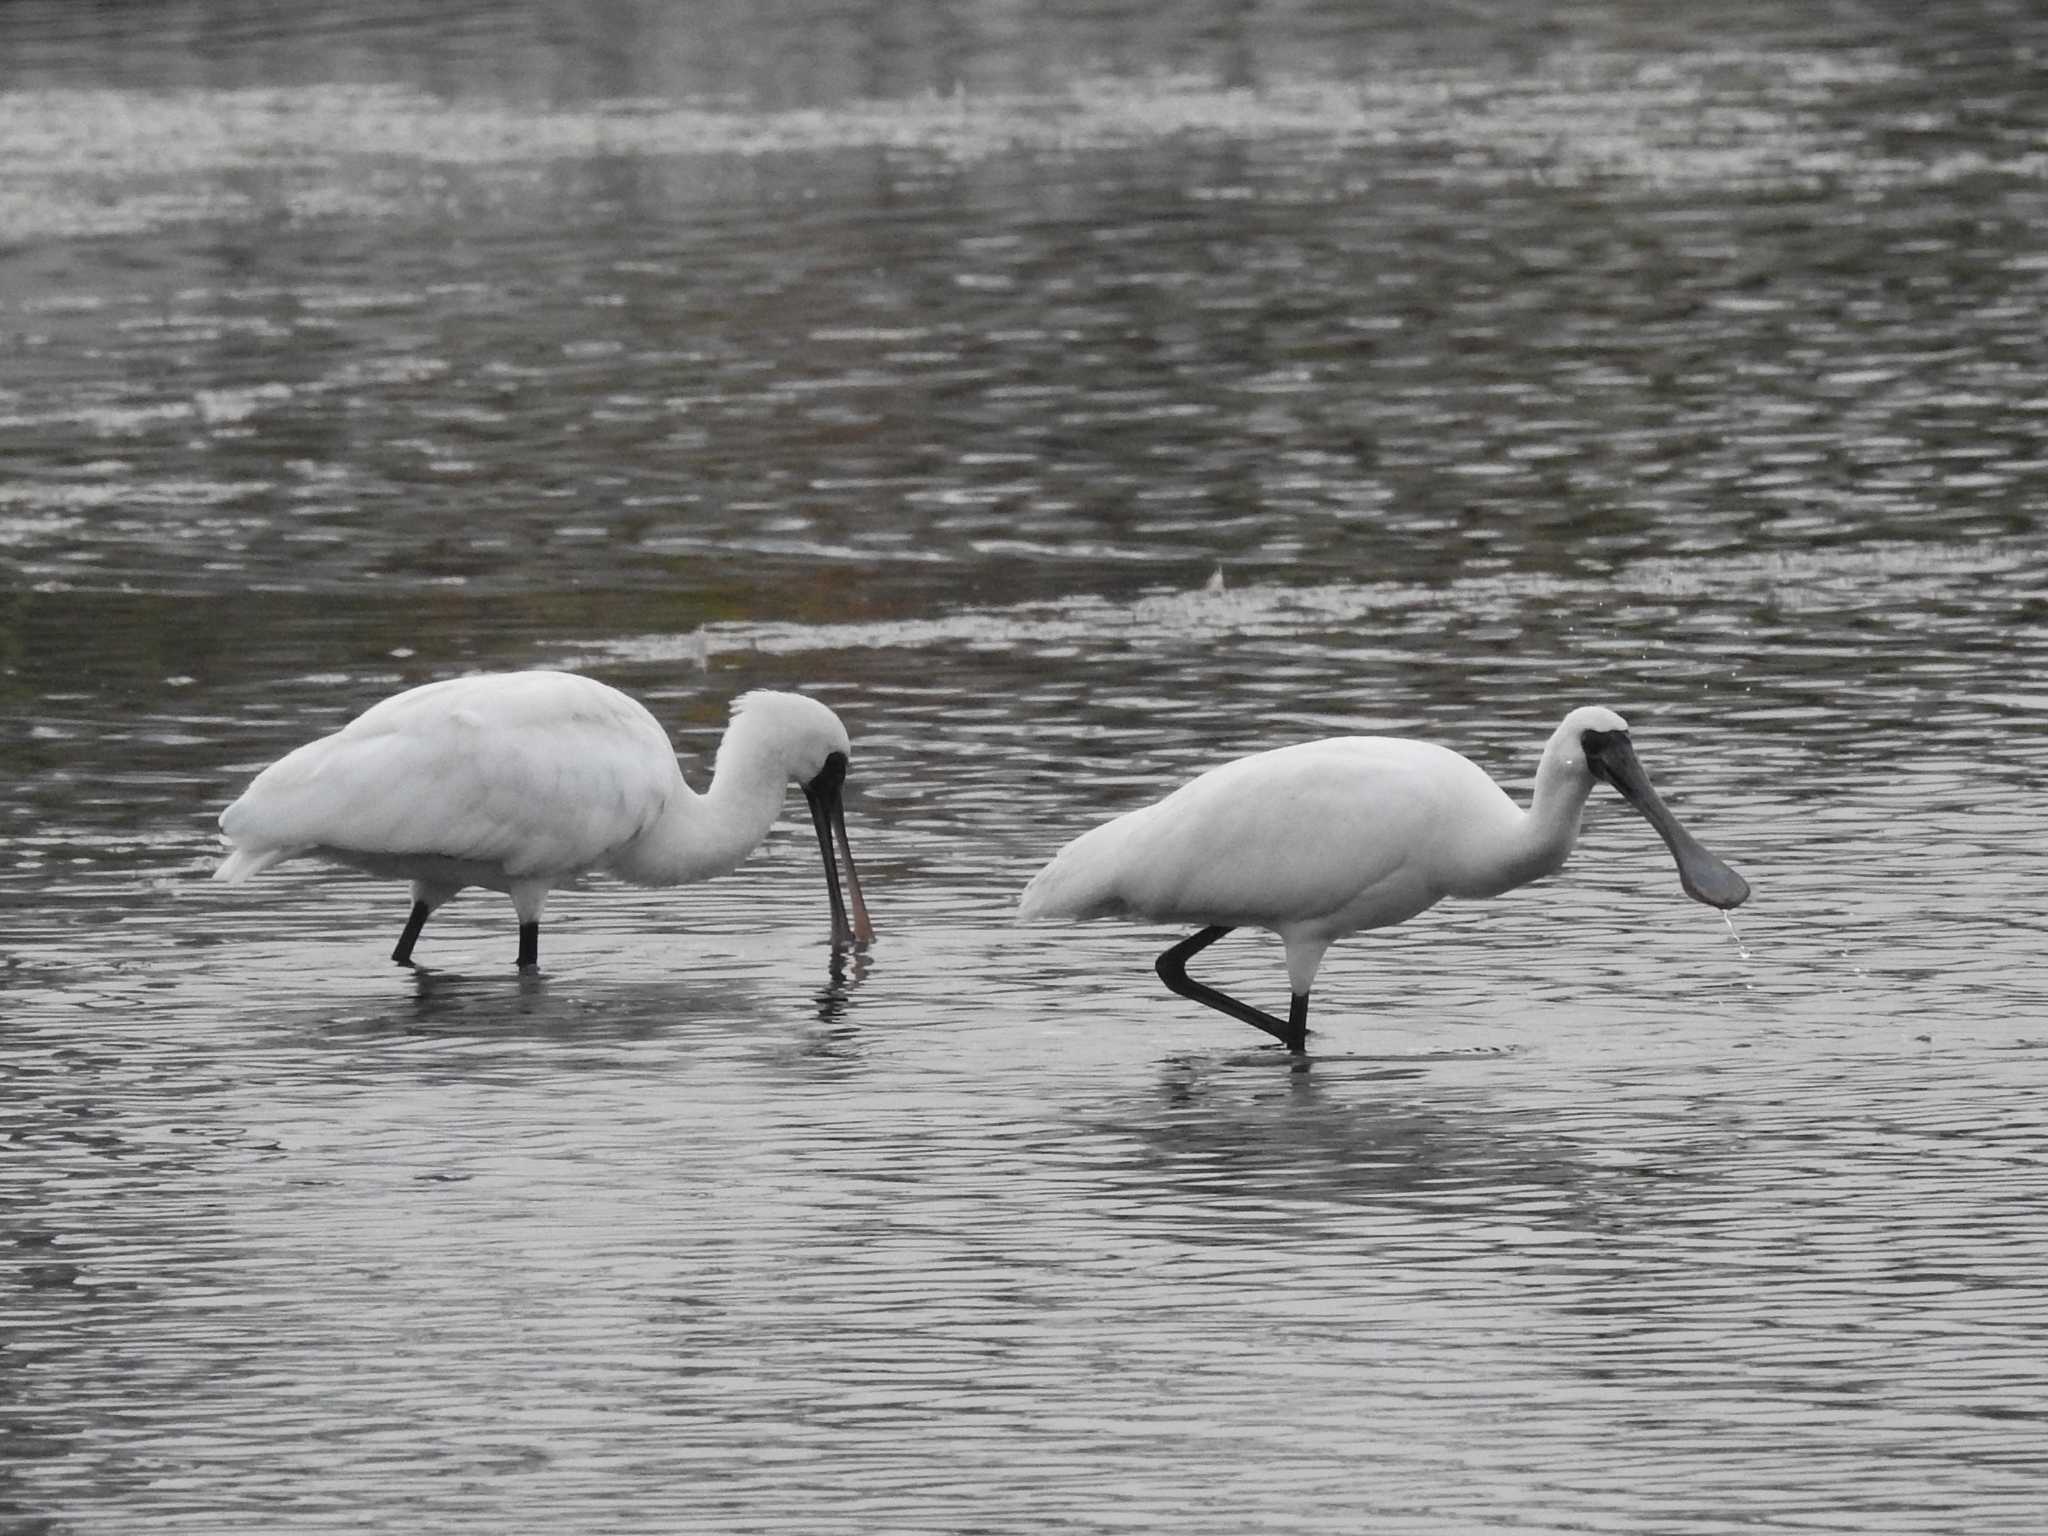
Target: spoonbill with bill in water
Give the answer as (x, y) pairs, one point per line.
(1329, 838)
(524, 781)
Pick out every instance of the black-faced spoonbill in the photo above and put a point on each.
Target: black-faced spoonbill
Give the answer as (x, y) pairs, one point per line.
(522, 781)
(1333, 837)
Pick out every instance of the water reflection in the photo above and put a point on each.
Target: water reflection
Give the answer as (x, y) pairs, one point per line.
(849, 968)
(1320, 1143)
(936, 365)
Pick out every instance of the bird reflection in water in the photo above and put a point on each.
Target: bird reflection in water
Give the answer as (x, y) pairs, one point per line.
(847, 970)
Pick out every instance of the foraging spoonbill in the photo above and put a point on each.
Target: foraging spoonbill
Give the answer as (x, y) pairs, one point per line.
(523, 781)
(1329, 838)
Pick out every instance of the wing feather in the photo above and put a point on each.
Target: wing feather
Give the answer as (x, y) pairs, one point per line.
(533, 772)
(1280, 837)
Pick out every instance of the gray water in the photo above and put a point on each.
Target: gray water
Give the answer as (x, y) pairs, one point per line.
(1073, 399)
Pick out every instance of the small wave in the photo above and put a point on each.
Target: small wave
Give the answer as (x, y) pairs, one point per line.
(1797, 578)
(94, 162)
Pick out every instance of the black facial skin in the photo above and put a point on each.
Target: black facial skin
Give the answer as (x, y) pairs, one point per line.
(1611, 758)
(828, 815)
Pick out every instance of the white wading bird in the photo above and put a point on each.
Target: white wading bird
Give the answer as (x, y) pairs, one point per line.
(522, 781)
(1333, 837)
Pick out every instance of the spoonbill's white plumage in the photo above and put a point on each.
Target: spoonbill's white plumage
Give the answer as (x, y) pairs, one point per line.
(523, 781)
(1329, 838)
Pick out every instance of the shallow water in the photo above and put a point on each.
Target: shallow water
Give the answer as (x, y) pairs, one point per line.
(1073, 402)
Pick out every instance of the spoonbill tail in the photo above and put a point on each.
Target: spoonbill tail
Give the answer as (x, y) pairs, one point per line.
(1328, 838)
(523, 781)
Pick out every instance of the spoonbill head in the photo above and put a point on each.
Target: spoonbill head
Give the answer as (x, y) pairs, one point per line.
(524, 781)
(1333, 837)
(1610, 757)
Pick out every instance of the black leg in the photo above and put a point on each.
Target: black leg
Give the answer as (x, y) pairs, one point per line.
(529, 946)
(406, 940)
(1172, 968)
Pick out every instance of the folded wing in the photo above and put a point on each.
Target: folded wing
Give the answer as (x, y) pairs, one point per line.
(527, 772)
(1278, 838)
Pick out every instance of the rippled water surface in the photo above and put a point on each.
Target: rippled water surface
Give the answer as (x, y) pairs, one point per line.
(1072, 400)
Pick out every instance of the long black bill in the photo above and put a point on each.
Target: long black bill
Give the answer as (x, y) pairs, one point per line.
(828, 815)
(1611, 757)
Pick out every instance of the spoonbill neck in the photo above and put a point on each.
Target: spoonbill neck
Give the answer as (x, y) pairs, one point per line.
(699, 836)
(1544, 835)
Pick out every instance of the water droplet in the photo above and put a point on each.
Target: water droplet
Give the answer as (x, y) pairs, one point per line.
(1741, 948)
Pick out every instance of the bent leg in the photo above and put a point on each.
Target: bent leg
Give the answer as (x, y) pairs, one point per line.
(411, 936)
(426, 899)
(1172, 968)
